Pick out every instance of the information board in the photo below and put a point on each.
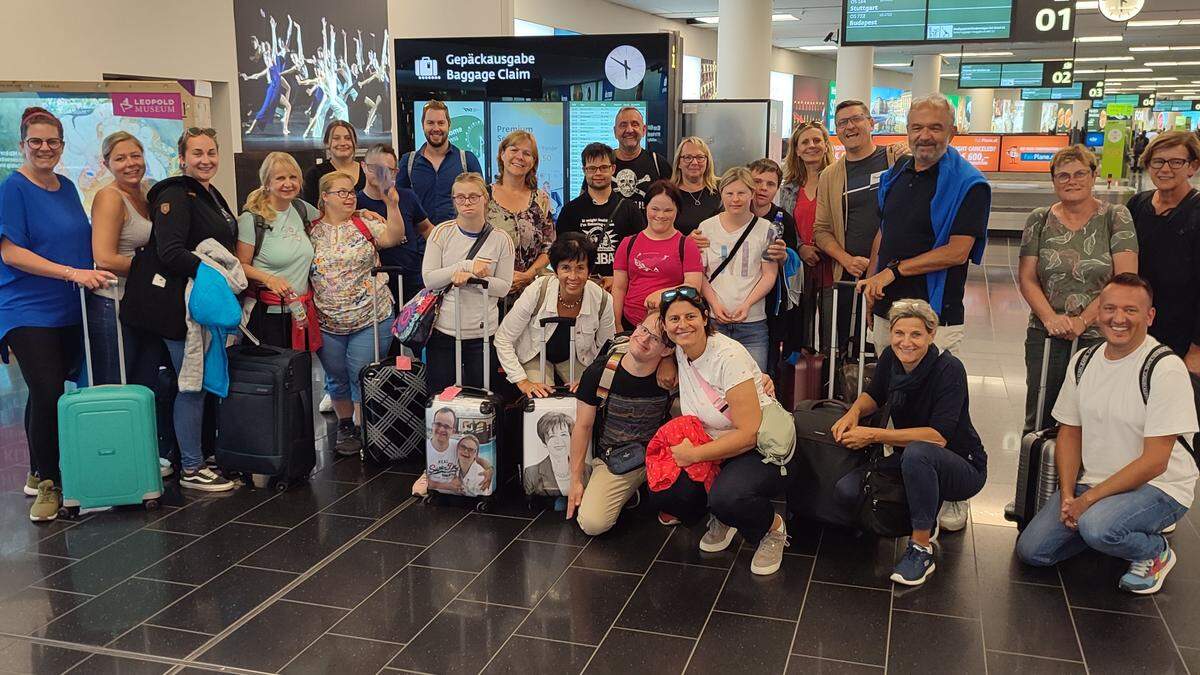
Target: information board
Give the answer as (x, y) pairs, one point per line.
(1021, 75)
(979, 75)
(545, 121)
(912, 21)
(1030, 152)
(1183, 105)
(1071, 93)
(1001, 75)
(591, 122)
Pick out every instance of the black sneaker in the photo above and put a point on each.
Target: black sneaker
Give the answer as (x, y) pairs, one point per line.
(349, 439)
(205, 479)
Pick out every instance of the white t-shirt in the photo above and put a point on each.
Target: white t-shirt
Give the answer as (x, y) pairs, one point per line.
(472, 479)
(1107, 404)
(735, 282)
(723, 365)
(442, 465)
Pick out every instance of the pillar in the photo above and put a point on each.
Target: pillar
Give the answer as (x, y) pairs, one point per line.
(927, 74)
(855, 73)
(1079, 111)
(744, 49)
(983, 104)
(1031, 123)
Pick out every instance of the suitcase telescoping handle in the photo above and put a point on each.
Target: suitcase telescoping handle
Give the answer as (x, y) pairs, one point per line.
(1045, 373)
(862, 332)
(569, 323)
(386, 269)
(458, 357)
(87, 340)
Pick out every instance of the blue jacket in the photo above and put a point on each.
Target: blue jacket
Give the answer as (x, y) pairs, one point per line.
(214, 306)
(955, 177)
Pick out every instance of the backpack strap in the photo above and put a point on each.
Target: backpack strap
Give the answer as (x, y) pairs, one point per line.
(1084, 359)
(610, 372)
(260, 233)
(301, 212)
(363, 229)
(1158, 354)
(541, 298)
(462, 161)
(412, 157)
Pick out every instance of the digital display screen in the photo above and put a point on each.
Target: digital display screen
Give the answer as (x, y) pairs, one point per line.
(1021, 75)
(901, 21)
(1071, 93)
(466, 126)
(545, 122)
(1130, 100)
(1030, 153)
(1000, 75)
(591, 122)
(1174, 106)
(982, 75)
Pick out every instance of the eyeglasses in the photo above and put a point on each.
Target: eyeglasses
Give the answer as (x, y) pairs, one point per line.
(1078, 176)
(380, 168)
(467, 199)
(645, 333)
(685, 292)
(340, 194)
(847, 121)
(443, 425)
(598, 168)
(1174, 163)
(52, 143)
(688, 159)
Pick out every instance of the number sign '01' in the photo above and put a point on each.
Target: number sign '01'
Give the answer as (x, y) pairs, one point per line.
(1043, 21)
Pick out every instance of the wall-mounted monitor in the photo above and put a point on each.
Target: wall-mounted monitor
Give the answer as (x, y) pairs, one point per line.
(1001, 75)
(910, 21)
(1071, 93)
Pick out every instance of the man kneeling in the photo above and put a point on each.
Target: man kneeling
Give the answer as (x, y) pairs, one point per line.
(1126, 412)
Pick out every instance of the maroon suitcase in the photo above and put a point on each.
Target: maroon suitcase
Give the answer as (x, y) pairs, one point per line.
(802, 381)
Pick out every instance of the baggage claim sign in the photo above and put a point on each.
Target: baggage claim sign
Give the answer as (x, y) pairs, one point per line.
(477, 67)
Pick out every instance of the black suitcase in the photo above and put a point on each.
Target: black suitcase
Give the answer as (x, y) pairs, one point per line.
(822, 462)
(853, 372)
(265, 425)
(394, 393)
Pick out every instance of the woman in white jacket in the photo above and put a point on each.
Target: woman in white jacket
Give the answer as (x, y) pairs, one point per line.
(568, 293)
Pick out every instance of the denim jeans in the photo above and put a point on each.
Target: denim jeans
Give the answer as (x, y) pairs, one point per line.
(144, 352)
(1060, 355)
(1126, 525)
(189, 415)
(343, 356)
(754, 336)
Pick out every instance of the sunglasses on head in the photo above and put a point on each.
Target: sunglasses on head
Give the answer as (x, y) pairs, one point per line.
(685, 292)
(201, 131)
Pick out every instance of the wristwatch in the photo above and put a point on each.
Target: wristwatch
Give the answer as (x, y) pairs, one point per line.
(894, 266)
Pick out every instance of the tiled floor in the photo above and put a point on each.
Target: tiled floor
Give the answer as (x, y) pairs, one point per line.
(346, 575)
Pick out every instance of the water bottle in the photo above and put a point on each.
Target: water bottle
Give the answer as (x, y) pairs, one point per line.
(773, 233)
(297, 310)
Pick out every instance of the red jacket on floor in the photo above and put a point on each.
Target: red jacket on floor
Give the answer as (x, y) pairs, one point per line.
(661, 469)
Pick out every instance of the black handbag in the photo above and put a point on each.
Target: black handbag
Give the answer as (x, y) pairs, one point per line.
(625, 458)
(153, 299)
(883, 503)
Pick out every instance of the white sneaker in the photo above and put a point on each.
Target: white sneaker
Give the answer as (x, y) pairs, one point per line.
(1169, 529)
(769, 555)
(326, 405)
(164, 467)
(953, 516)
(205, 479)
(718, 537)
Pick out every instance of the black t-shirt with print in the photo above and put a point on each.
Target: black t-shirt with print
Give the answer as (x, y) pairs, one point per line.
(605, 224)
(632, 177)
(697, 208)
(636, 406)
(862, 201)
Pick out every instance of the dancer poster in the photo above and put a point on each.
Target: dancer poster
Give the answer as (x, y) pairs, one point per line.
(302, 65)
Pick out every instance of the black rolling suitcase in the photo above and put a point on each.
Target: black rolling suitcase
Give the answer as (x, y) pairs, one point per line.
(1037, 474)
(265, 425)
(394, 394)
(474, 417)
(853, 372)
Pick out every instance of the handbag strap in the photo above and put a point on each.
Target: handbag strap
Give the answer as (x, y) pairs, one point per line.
(711, 394)
(733, 251)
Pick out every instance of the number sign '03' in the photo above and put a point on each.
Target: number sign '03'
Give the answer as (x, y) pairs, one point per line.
(1043, 21)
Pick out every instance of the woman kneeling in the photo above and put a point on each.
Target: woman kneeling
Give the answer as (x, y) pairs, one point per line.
(939, 454)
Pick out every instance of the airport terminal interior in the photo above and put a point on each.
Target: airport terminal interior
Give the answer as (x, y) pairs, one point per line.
(347, 570)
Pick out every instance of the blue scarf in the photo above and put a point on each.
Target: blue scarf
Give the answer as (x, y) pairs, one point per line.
(955, 177)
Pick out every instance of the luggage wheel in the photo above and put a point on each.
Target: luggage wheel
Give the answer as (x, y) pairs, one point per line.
(483, 506)
(151, 504)
(68, 512)
(429, 499)
(279, 485)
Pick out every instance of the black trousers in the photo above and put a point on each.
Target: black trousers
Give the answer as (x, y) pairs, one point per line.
(740, 497)
(47, 357)
(440, 362)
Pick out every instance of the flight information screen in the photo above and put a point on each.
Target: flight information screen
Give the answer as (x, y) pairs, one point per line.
(1000, 75)
(981, 75)
(1071, 93)
(1021, 75)
(901, 21)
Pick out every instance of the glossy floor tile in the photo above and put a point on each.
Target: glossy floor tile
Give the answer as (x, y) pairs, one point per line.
(344, 573)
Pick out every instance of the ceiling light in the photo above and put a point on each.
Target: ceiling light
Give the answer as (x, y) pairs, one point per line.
(1156, 22)
(951, 55)
(820, 48)
(1097, 59)
(1173, 48)
(1101, 38)
(949, 75)
(904, 64)
(1095, 71)
(1087, 4)
(774, 17)
(1189, 22)
(1149, 79)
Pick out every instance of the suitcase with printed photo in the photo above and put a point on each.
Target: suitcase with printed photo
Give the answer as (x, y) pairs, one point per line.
(394, 394)
(108, 440)
(547, 424)
(463, 428)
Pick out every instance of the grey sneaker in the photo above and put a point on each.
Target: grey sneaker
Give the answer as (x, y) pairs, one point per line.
(718, 537)
(953, 516)
(49, 501)
(769, 555)
(349, 439)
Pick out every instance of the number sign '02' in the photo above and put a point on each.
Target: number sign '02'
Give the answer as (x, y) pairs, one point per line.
(1043, 21)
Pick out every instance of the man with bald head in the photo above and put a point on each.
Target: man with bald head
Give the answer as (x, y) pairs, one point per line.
(934, 209)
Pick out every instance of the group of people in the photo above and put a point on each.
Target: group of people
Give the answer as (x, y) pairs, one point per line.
(699, 271)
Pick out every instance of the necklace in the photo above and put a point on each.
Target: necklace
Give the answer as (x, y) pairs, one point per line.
(692, 195)
(568, 305)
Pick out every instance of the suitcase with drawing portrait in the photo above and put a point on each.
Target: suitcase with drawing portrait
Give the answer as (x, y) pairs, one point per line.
(547, 425)
(463, 428)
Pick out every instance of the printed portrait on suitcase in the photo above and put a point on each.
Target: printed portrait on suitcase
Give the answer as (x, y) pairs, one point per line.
(547, 441)
(461, 449)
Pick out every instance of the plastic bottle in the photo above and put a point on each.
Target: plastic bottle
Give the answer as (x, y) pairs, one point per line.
(297, 310)
(774, 233)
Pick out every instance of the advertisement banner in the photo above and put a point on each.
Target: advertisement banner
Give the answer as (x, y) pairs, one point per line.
(1112, 161)
(982, 151)
(161, 106)
(1029, 153)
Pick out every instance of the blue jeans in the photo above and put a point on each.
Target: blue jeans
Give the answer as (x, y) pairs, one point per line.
(1126, 525)
(343, 356)
(143, 351)
(754, 336)
(189, 415)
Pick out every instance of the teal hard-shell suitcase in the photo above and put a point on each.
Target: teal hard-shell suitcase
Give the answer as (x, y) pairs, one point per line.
(108, 442)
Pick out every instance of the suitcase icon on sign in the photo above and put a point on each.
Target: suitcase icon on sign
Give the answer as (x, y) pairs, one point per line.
(426, 68)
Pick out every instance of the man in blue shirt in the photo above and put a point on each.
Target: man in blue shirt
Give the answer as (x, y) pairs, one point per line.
(380, 164)
(430, 170)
